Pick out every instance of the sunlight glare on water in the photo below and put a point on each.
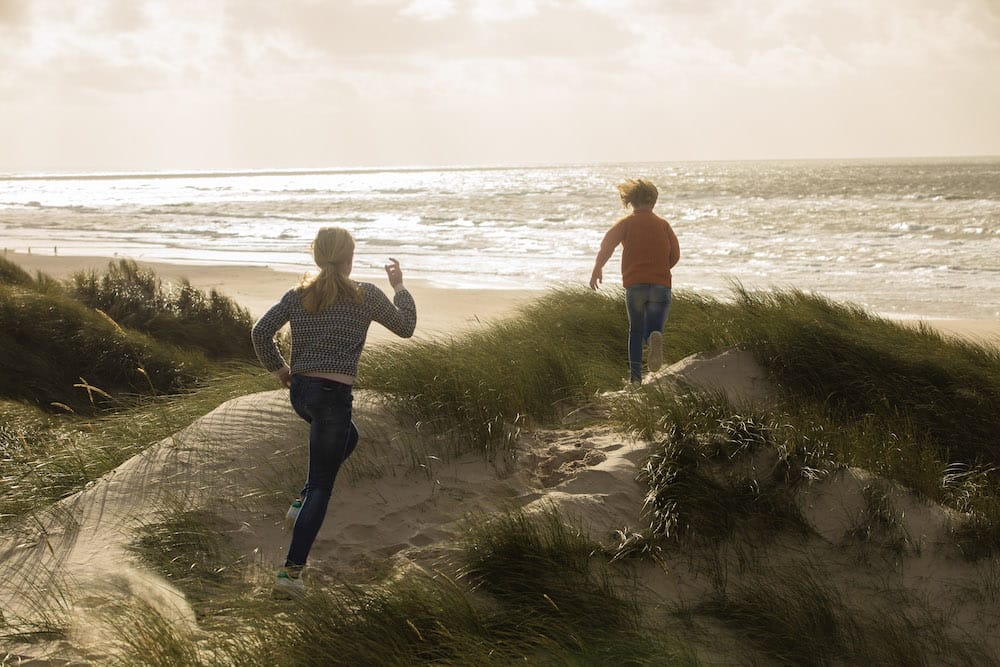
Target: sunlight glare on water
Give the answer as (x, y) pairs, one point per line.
(903, 237)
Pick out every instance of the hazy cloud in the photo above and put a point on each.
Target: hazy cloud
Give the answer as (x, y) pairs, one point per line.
(360, 81)
(13, 12)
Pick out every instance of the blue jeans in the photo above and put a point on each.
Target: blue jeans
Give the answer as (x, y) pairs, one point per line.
(326, 406)
(648, 306)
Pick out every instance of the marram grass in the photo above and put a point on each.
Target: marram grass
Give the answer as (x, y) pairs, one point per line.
(793, 615)
(56, 352)
(856, 364)
(904, 403)
(907, 404)
(180, 314)
(102, 337)
(415, 618)
(95, 371)
(490, 382)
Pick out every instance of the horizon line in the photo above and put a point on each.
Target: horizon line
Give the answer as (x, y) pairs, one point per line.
(301, 171)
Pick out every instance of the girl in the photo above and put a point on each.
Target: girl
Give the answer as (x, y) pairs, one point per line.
(329, 315)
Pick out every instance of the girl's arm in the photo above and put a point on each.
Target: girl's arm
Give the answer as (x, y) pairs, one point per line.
(399, 315)
(262, 336)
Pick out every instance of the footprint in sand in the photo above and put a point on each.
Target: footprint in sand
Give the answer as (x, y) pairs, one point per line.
(562, 464)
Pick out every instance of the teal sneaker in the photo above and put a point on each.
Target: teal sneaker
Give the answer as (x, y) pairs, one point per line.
(286, 586)
(293, 513)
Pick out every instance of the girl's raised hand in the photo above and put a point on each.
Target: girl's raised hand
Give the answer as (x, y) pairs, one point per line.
(394, 272)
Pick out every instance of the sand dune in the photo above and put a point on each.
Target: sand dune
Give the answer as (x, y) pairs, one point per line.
(403, 498)
(401, 501)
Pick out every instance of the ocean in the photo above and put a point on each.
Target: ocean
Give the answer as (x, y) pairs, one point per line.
(903, 238)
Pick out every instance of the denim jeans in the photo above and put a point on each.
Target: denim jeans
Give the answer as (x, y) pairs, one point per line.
(326, 406)
(648, 306)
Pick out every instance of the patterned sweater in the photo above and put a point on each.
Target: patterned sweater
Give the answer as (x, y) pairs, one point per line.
(331, 341)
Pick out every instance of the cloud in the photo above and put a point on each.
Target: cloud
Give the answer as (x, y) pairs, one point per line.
(513, 75)
(487, 11)
(429, 10)
(13, 12)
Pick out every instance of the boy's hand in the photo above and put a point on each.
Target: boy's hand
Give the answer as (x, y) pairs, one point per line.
(596, 278)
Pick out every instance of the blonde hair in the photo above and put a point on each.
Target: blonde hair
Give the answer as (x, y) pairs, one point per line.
(638, 192)
(332, 248)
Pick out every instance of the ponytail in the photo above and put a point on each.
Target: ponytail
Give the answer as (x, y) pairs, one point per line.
(333, 249)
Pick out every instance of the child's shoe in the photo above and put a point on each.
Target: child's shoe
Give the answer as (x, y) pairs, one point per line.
(655, 351)
(293, 513)
(286, 586)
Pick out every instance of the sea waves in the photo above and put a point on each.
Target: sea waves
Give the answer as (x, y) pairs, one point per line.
(917, 237)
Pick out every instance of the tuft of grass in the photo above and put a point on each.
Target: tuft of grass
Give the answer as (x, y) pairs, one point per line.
(717, 472)
(55, 350)
(795, 616)
(794, 619)
(489, 382)
(190, 548)
(411, 621)
(856, 364)
(554, 582)
(538, 562)
(180, 314)
(146, 637)
(881, 524)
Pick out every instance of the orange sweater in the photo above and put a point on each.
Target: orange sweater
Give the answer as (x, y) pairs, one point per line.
(649, 248)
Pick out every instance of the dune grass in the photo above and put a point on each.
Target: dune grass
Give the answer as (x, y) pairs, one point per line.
(13, 274)
(54, 350)
(793, 615)
(180, 314)
(856, 364)
(81, 391)
(718, 473)
(146, 637)
(906, 404)
(91, 343)
(529, 588)
(490, 381)
(189, 547)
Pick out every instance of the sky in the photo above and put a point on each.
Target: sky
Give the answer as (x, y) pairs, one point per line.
(174, 85)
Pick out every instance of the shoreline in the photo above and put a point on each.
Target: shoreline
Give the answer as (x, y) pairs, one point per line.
(441, 310)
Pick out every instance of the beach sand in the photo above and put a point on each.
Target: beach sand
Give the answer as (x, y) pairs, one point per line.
(440, 311)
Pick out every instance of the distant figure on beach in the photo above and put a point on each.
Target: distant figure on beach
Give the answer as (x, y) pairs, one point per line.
(649, 250)
(329, 315)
